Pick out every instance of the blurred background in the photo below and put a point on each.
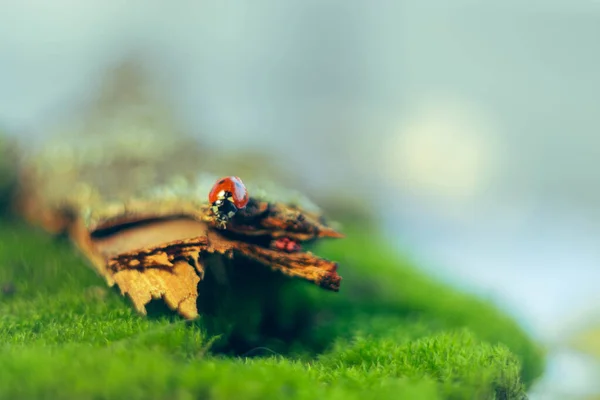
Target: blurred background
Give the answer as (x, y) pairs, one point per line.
(468, 128)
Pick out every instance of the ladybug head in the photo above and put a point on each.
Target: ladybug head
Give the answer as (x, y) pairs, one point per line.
(223, 207)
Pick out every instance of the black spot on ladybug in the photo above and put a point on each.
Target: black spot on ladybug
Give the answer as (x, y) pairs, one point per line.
(221, 181)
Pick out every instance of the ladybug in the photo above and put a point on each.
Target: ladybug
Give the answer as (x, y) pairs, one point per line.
(227, 196)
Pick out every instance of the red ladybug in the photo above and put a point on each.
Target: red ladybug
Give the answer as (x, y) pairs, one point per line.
(226, 197)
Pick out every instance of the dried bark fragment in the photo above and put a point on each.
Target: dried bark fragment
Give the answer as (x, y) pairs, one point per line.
(303, 265)
(281, 220)
(177, 286)
(154, 250)
(152, 246)
(137, 208)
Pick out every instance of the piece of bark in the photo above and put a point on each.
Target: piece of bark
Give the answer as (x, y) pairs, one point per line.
(135, 204)
(154, 249)
(177, 286)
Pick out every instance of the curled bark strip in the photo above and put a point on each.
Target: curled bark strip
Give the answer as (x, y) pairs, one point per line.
(280, 220)
(303, 265)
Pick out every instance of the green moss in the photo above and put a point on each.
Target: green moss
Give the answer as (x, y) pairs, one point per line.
(390, 333)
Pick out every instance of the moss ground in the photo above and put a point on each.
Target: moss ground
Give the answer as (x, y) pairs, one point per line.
(391, 332)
